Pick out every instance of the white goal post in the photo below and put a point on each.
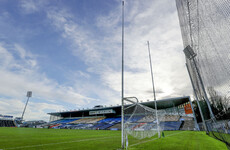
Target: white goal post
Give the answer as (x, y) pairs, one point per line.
(140, 121)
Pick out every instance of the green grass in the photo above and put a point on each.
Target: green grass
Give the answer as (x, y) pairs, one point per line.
(220, 135)
(60, 139)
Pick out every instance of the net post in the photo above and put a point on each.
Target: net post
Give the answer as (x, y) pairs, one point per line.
(154, 93)
(201, 113)
(122, 82)
(190, 55)
(196, 124)
(202, 86)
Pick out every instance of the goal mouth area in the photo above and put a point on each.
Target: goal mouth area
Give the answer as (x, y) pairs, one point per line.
(141, 121)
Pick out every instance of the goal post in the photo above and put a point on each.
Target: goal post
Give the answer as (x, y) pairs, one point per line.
(141, 121)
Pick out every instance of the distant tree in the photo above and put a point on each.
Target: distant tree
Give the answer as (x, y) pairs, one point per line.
(219, 103)
(204, 109)
(197, 112)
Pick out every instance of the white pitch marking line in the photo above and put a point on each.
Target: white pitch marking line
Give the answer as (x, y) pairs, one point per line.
(154, 139)
(56, 143)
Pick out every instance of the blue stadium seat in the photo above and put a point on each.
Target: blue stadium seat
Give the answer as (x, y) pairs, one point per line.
(171, 125)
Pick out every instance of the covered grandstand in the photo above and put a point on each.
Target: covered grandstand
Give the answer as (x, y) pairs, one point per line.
(6, 121)
(109, 118)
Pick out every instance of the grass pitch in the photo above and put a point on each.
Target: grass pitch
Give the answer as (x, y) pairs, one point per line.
(64, 139)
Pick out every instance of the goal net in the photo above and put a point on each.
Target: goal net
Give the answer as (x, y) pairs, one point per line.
(205, 28)
(141, 121)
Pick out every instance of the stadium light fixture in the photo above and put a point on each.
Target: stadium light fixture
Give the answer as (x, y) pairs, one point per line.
(189, 53)
(29, 94)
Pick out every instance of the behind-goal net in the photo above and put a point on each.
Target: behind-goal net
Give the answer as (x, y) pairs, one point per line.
(141, 121)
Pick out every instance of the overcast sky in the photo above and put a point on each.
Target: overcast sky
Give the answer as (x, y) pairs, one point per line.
(68, 52)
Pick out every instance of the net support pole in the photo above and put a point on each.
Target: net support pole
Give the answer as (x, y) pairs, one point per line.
(154, 92)
(122, 83)
(204, 91)
(201, 113)
(196, 124)
(190, 54)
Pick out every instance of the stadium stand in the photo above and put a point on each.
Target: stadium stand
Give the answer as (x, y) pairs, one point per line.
(171, 125)
(95, 120)
(186, 118)
(187, 125)
(146, 119)
(63, 121)
(87, 120)
(114, 124)
(6, 121)
(115, 127)
(101, 123)
(55, 126)
(106, 123)
(33, 124)
(172, 118)
(109, 118)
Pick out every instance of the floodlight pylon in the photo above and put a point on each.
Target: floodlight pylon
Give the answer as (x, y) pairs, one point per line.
(29, 94)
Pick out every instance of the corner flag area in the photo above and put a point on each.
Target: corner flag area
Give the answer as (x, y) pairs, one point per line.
(50, 139)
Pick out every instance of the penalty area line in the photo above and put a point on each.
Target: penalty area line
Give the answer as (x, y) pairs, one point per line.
(154, 139)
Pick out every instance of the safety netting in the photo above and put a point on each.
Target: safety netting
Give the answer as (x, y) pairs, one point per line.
(205, 27)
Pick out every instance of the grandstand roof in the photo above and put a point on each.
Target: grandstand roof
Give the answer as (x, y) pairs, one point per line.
(161, 104)
(167, 103)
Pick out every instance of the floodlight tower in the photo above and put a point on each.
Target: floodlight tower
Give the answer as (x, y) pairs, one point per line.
(29, 94)
(190, 54)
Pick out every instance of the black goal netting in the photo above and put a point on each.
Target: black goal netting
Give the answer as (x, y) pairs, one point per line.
(205, 27)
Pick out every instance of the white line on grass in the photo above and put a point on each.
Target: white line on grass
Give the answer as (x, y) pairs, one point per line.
(154, 139)
(56, 143)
